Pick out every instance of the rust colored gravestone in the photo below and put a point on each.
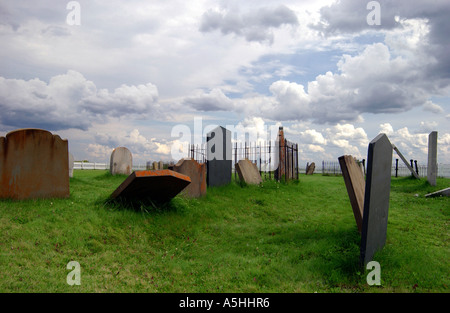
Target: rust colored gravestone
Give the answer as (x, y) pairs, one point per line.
(157, 186)
(34, 163)
(121, 162)
(248, 172)
(355, 184)
(197, 174)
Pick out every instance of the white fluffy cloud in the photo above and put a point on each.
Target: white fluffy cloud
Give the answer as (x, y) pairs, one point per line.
(70, 101)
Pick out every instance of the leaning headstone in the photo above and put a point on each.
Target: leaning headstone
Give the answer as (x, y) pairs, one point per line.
(71, 163)
(355, 184)
(151, 186)
(432, 158)
(248, 172)
(218, 155)
(406, 162)
(376, 197)
(33, 164)
(310, 169)
(441, 193)
(197, 174)
(121, 162)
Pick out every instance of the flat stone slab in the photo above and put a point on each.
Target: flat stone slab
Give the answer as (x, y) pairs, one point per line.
(34, 164)
(376, 197)
(157, 186)
(248, 172)
(197, 174)
(441, 193)
(355, 184)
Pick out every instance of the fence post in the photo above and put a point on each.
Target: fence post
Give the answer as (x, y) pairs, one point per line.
(396, 167)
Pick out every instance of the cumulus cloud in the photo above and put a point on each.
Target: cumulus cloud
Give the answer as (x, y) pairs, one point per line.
(70, 101)
(256, 25)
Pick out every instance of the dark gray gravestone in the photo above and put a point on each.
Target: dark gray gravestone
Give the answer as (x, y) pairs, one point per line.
(218, 157)
(376, 197)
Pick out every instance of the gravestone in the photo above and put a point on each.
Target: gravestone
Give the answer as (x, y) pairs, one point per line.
(151, 186)
(71, 163)
(355, 184)
(33, 164)
(218, 157)
(441, 193)
(248, 172)
(310, 169)
(432, 158)
(155, 166)
(197, 174)
(160, 165)
(121, 162)
(406, 162)
(376, 197)
(280, 171)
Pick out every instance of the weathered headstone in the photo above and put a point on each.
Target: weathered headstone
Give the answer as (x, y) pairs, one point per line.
(376, 197)
(310, 169)
(121, 162)
(248, 172)
(406, 162)
(33, 164)
(432, 158)
(280, 172)
(160, 165)
(441, 193)
(71, 163)
(218, 155)
(355, 184)
(155, 186)
(155, 166)
(197, 174)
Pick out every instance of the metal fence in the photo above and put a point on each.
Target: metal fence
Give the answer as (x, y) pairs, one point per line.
(265, 154)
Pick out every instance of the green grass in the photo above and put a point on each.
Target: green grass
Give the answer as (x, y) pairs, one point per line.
(276, 238)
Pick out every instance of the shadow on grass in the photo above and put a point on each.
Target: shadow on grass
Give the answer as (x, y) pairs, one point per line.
(146, 206)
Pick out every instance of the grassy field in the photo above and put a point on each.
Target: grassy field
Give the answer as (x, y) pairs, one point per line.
(276, 238)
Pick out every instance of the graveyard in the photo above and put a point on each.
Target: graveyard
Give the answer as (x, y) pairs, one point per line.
(277, 237)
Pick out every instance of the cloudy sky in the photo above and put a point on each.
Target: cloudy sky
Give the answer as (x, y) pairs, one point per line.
(132, 73)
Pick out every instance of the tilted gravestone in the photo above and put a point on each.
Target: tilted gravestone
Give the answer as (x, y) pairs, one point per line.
(197, 174)
(355, 184)
(406, 162)
(71, 163)
(151, 186)
(432, 158)
(248, 172)
(121, 162)
(376, 197)
(310, 169)
(218, 157)
(33, 164)
(441, 193)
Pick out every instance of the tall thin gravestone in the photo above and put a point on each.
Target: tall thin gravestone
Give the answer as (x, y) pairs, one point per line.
(432, 158)
(218, 154)
(376, 197)
(71, 163)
